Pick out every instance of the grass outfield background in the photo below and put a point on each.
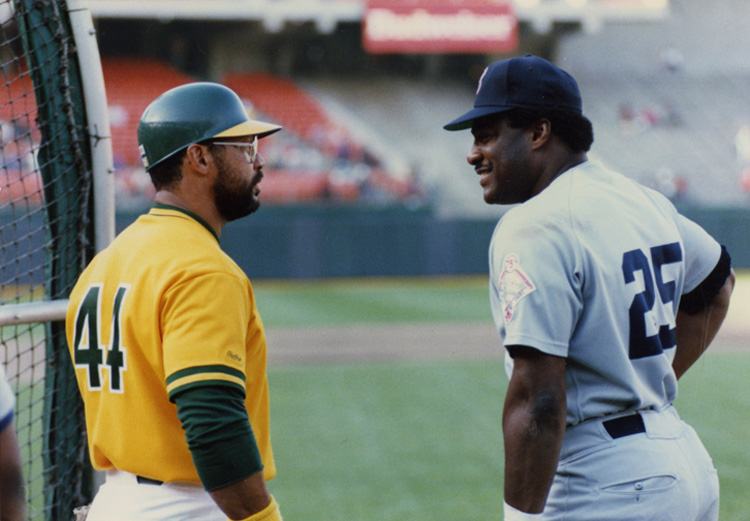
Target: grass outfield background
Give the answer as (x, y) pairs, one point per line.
(422, 440)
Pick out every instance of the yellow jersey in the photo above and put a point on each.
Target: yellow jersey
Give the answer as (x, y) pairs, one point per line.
(160, 310)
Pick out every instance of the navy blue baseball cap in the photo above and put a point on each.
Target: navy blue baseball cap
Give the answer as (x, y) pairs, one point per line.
(527, 82)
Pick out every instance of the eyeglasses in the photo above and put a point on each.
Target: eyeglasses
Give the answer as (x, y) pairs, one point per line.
(249, 149)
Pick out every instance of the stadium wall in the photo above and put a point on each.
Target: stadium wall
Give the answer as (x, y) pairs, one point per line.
(320, 242)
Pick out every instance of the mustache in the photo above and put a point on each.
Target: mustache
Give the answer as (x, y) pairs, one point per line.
(481, 166)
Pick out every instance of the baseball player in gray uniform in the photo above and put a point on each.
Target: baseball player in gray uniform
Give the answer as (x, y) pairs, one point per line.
(12, 492)
(603, 296)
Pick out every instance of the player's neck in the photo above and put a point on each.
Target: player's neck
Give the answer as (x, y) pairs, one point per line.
(572, 161)
(555, 166)
(206, 210)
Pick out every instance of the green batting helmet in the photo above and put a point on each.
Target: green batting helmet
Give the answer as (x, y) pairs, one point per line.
(190, 114)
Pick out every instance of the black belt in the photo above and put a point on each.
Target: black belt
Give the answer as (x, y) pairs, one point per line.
(148, 481)
(625, 426)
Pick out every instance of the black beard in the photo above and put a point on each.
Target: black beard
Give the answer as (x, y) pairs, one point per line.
(233, 200)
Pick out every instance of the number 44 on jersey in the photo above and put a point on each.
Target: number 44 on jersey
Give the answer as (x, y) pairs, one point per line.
(88, 352)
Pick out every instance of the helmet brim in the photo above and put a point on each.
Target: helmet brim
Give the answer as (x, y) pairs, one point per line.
(250, 128)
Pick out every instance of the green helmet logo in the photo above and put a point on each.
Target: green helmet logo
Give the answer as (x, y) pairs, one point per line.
(190, 114)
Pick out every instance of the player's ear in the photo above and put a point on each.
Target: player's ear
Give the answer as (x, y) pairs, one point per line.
(541, 132)
(198, 157)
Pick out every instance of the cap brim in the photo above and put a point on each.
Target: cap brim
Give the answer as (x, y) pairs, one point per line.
(250, 128)
(467, 120)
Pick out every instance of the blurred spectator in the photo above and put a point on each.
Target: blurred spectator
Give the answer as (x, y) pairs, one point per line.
(133, 188)
(672, 113)
(330, 165)
(178, 52)
(671, 184)
(742, 146)
(16, 147)
(672, 60)
(668, 113)
(742, 155)
(648, 117)
(626, 117)
(745, 180)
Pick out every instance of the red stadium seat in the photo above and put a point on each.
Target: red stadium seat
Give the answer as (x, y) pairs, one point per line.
(17, 102)
(285, 102)
(131, 84)
(16, 186)
(18, 109)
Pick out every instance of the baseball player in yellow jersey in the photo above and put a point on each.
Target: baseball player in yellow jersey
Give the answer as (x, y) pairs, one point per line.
(168, 346)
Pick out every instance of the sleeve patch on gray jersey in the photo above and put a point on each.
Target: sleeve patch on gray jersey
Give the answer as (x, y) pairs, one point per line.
(514, 285)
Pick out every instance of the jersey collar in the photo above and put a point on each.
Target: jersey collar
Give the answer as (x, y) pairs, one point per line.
(160, 206)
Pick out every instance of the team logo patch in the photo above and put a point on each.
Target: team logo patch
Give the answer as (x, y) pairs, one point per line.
(144, 158)
(514, 285)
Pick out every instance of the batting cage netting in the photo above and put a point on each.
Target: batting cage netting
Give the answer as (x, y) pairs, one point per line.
(50, 143)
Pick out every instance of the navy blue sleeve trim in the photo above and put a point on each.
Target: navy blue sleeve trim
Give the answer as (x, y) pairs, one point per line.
(6, 421)
(702, 296)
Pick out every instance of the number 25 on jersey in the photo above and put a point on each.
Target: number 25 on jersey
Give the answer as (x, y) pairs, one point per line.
(645, 305)
(88, 353)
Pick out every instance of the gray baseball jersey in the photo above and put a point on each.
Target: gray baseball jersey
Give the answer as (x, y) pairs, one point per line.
(592, 269)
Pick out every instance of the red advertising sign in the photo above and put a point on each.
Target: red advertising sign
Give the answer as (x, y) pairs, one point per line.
(431, 26)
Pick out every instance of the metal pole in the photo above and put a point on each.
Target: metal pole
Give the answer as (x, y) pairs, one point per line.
(33, 312)
(97, 116)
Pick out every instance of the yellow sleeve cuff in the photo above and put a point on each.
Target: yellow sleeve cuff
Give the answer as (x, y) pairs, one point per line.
(270, 513)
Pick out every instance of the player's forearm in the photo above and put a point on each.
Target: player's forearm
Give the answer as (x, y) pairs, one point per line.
(696, 331)
(224, 449)
(532, 449)
(12, 491)
(534, 418)
(12, 496)
(244, 498)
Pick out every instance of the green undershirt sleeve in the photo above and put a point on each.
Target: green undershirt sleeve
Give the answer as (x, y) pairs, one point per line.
(219, 435)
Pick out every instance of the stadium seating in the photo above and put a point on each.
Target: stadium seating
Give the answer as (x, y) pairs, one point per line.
(19, 180)
(17, 103)
(284, 101)
(343, 170)
(298, 112)
(352, 172)
(19, 187)
(131, 84)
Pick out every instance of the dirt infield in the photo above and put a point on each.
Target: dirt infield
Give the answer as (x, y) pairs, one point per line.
(367, 343)
(441, 341)
(381, 343)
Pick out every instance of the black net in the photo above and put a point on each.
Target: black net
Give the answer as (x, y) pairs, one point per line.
(44, 230)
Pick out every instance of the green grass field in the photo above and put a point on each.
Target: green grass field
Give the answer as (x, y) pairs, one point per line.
(346, 302)
(394, 441)
(422, 440)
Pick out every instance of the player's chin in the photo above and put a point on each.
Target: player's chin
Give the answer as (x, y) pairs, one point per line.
(252, 196)
(253, 204)
(249, 198)
(491, 196)
(255, 199)
(237, 207)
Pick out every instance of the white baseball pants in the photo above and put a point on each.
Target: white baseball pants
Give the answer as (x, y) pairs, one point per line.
(122, 498)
